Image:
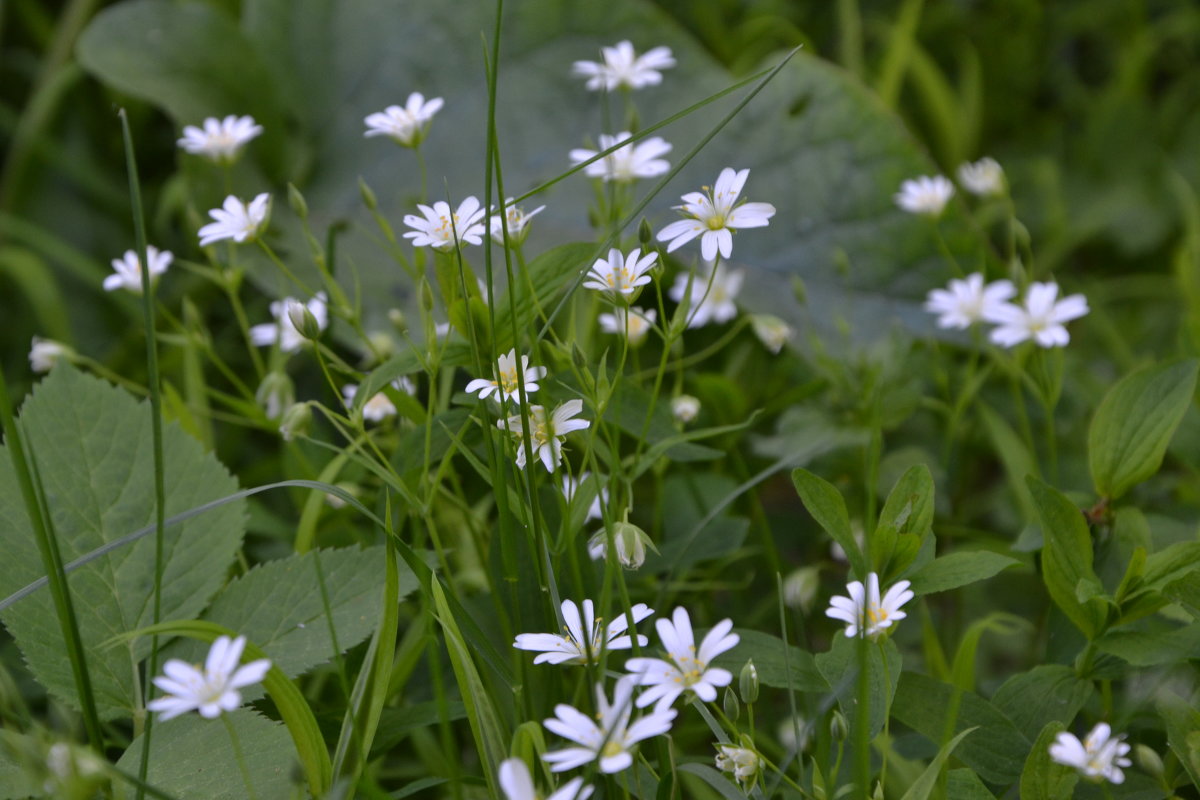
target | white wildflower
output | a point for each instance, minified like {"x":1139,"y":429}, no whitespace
{"x":1099,"y":757}
{"x":620,"y":274}
{"x":639,"y":323}
{"x":611,"y":741}
{"x":508,"y":379}
{"x":220,"y":139}
{"x":584,"y":637}
{"x":237,"y":221}
{"x":684,"y":668}
{"x":127,"y":270}
{"x":925,"y":195}
{"x":714,"y":216}
{"x":711,"y":295}
{"x":984,"y":177}
{"x":546,"y":433}
{"x":968,"y":301}
{"x":438,"y":226}
{"x":211,"y":690}
{"x":1041,"y":317}
{"x":864,"y":612}
{"x":635,"y":160}
{"x":406,"y":125}
{"x":624,"y":68}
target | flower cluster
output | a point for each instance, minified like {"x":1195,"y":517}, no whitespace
{"x":1040,"y":317}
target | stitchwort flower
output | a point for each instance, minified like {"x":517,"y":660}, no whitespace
{"x":968,"y":301}
{"x":506,"y":386}
{"x":742,"y":762}
{"x":864,"y":612}
{"x":221,"y":140}
{"x":924,"y":195}
{"x":517,"y":784}
{"x":379,"y":407}
{"x":571,"y":485}
{"x":634,"y":160}
{"x":406,"y":125}
{"x":517,"y":224}
{"x":236,"y":220}
{"x":619,"y":274}
{"x":211,"y":690}
{"x":584,"y":637}
{"x":45,"y":353}
{"x":984,"y":177}
{"x":546,"y":433}
{"x":714,"y":215}
{"x":624,"y":68}
{"x":438,"y":226}
{"x":685,"y":668}
{"x":283,"y":329}
{"x":127,"y":270}
{"x":1040,"y":318}
{"x":1099,"y":757}
{"x":611,"y":741}
{"x":640,"y":321}
{"x":711,"y":295}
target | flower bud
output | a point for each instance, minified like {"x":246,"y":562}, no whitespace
{"x":839,"y":729}
{"x":297,"y":202}
{"x":1148,"y":760}
{"x":645,"y":232}
{"x":630,"y":541}
{"x":771,"y":331}
{"x":275,"y":394}
{"x":685,"y":408}
{"x":303,"y":320}
{"x":799,"y":290}
{"x":800,"y":588}
{"x":297,"y":421}
{"x":733,"y":709}
{"x":368,"y":196}
{"x":748,"y":682}
{"x":45,"y":353}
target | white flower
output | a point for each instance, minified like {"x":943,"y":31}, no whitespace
{"x":212,"y":690}
{"x":684,"y":668}
{"x":406,"y":125}
{"x":1099,"y":756}
{"x":379,"y":407}
{"x":584,"y":638}
{"x":640,"y":323}
{"x":711,"y":296}
{"x":570,"y":485}
{"x":634,"y":160}
{"x":771,"y":331}
{"x":517,"y":784}
{"x":619,"y":274}
{"x":741,"y":761}
{"x":237,"y":221}
{"x":984,"y":177}
{"x":283,"y":329}
{"x":864,"y":611}
{"x":45,"y":353}
{"x":611,"y":740}
{"x":968,"y":301}
{"x":714,"y":215}
{"x":685,"y":408}
{"x":629,"y":540}
{"x":800,"y":587}
{"x":438,"y":227}
{"x":220,"y":139}
{"x":924,"y":195}
{"x":127,"y":270}
{"x":1041,"y":318}
{"x":506,"y":385}
{"x":518,"y":223}
{"x":623,"y":67}
{"x":545,"y":434}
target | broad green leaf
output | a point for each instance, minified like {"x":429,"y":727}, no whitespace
{"x":97,"y":467}
{"x":923,"y":785}
{"x":826,"y":505}
{"x":396,"y":723}
{"x":1147,"y":649}
{"x":1067,"y":556}
{"x":1161,"y":569}
{"x":958,"y":569}
{"x":1135,"y":423}
{"x":839,"y":667}
{"x":1046,"y":693}
{"x":962,"y":673}
{"x":685,"y":542}
{"x":1181,"y":723}
{"x":1043,"y":778}
{"x":768,"y":654}
{"x":723,"y":785}
{"x":996,"y":751}
{"x":904,"y":522}
{"x":803,"y":433}
{"x":963,"y":784}
{"x":22,"y":759}
{"x":193,"y":757}
{"x":1016,"y":458}
{"x":1186,"y":592}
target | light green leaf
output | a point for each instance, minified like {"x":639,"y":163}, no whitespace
{"x":768,"y":654}
{"x":925,"y":784}
{"x":1147,"y":649}
{"x":904,"y":523}
{"x":1046,"y":693}
{"x":958,"y":569}
{"x":1043,"y":778}
{"x":839,"y":667}
{"x":1135,"y":423}
{"x":1186,"y":592}
{"x":1182,"y":721}
{"x":826,"y":505}
{"x":722,"y":784}
{"x":1067,"y":556}
{"x":97,"y":467}
{"x":193,"y":757}
{"x":1161,"y":569}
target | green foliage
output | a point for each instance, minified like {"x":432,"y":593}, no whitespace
{"x":840,"y":669}
{"x":925,"y":784}
{"x":796,"y":670}
{"x":1043,"y":778}
{"x":824,"y":502}
{"x":96,"y":466}
{"x":1047,"y":693}
{"x":959,"y":569}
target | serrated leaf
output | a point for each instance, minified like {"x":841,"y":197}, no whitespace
{"x":958,"y":569}
{"x":768,"y":654}
{"x":827,"y":506}
{"x":1067,"y":556}
{"x":193,"y":758}
{"x":97,"y":466}
{"x":1134,"y":424}
{"x":1046,"y":693}
{"x":1043,"y":778}
{"x":839,"y":667}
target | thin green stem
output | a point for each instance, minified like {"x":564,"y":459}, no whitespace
{"x":240,"y":757}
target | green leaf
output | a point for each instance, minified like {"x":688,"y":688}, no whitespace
{"x":1161,"y":569}
{"x":193,"y":757}
{"x":963,"y":784}
{"x":839,"y":667}
{"x":1043,"y":778}
{"x":925,"y":783}
{"x":996,"y":751}
{"x":1016,"y":458}
{"x":1181,"y":722}
{"x":1046,"y":693}
{"x":768,"y":654}
{"x":826,"y":505}
{"x":1147,"y":649}
{"x":1135,"y":423}
{"x":958,"y":569}
{"x":904,"y":522}
{"x":691,"y":497}
{"x":1186,"y":592}
{"x":725,"y":787}
{"x":1067,"y":557}
{"x":95,"y":462}
{"x":396,"y":723}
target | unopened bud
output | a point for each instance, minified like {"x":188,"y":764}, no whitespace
{"x":368,"y":196}
{"x":748,"y":682}
{"x":275,"y":394}
{"x":733,"y":709}
{"x":800,"y":588}
{"x":297,"y":421}
{"x":645,"y":232}
{"x":799,"y":290}
{"x":1148,"y":760}
{"x":396,"y":317}
{"x":685,"y":408}
{"x":297,"y":202}
{"x":578,"y":356}
{"x":45,"y":353}
{"x":771,"y":331}
{"x":303,"y":320}
{"x":630,"y":540}
{"x":839,"y":729}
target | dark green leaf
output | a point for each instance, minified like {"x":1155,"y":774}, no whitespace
{"x":1043,"y":778}
{"x":1067,"y":556}
{"x":958,"y":569}
{"x":1047,"y":693}
{"x":840,"y":669}
{"x":826,"y":505}
{"x":768,"y":654}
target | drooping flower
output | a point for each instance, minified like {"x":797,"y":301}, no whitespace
{"x":968,"y":301}
{"x":584,"y":638}
{"x":438,"y":226}
{"x":742,"y":762}
{"x":517,"y":784}
{"x":800,"y":587}
{"x":684,"y":668}
{"x":685,"y":408}
{"x":639,"y":323}
{"x":283,"y":329}
{"x":507,"y":386}
{"x":220,"y":139}
{"x":924,"y":195}
{"x":864,"y":612}
{"x":629,"y":541}
{"x":571,"y":485}
{"x":517,"y":224}
{"x":546,"y":434}
{"x":634,"y":160}
{"x":45,"y":353}
{"x":380,"y":406}
{"x":611,"y":741}
{"x":407,"y":125}
{"x":711,"y":295}
{"x":127,"y":270}
{"x":984,"y":177}
{"x":211,"y":690}
{"x":1041,"y":317}
{"x":714,"y":216}
{"x":237,"y":221}
{"x":771,"y":331}
{"x":624,"y":68}
{"x":1099,"y":757}
{"x":620,"y":274}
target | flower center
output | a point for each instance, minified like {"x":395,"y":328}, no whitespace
{"x":612,"y":748}
{"x":508,"y":381}
{"x":877,"y":615}
{"x":716,"y":222}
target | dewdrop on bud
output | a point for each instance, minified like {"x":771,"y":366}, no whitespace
{"x":368,"y":196}
{"x":748,"y":682}
{"x":733,"y":709}
{"x":297,"y":202}
{"x":303,"y":320}
{"x":839,"y":729}
{"x":645,"y":232}
{"x":630,"y":541}
{"x":275,"y":394}
{"x":771,"y":331}
{"x":685,"y":408}
{"x":800,"y":588}
{"x":1149,"y":761}
{"x":297,"y":421}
